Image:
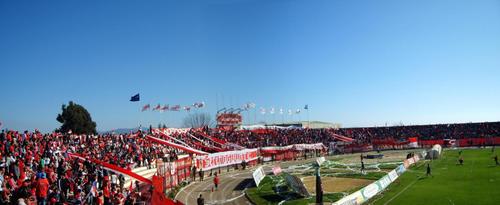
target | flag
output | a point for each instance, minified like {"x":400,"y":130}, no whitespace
{"x":158,"y":107}
{"x":251,"y":105}
{"x":145,"y":107}
{"x":135,"y":98}
{"x":271,"y":111}
{"x":297,"y":111}
{"x":289,"y":111}
{"x":281,"y":111}
{"x":306,"y":107}
{"x":262,"y":110}
{"x":186,"y":108}
{"x":199,"y":105}
{"x":175,"y":108}
{"x":164,"y":108}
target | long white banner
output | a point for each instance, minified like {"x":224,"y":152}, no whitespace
{"x":222,"y":159}
{"x":317,"y":146}
{"x":366,"y":193}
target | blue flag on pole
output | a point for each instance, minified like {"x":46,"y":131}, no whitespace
{"x":135,"y":98}
{"x":306,"y":107}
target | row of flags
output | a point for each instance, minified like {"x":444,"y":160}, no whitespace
{"x":160,"y":108}
{"x":164,"y":108}
{"x":281,"y":111}
{"x":246,"y":106}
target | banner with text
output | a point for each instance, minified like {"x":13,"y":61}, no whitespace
{"x":222,"y":159}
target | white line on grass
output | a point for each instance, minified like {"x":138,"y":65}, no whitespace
{"x":409,"y":185}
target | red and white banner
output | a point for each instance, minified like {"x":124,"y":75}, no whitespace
{"x":317,"y":146}
{"x":174,"y":145}
{"x":171,"y":131}
{"x":174,"y":172}
{"x":342,"y":138}
{"x":111,"y":167}
{"x":413,"y":142}
{"x":222,"y":159}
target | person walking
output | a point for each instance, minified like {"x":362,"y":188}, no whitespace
{"x":200,"y":200}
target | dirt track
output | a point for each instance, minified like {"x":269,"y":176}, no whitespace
{"x":234,"y":182}
{"x":231,"y":188}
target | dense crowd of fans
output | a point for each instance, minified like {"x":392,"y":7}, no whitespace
{"x":36,"y":167}
{"x":281,"y":137}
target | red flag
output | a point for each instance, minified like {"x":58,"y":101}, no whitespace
{"x":164,"y":108}
{"x":158,"y":107}
{"x":145,"y":107}
{"x":175,"y":108}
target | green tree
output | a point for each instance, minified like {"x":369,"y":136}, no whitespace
{"x":76,"y":118}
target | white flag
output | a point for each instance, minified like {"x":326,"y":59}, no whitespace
{"x":297,"y":111}
{"x":262,"y":110}
{"x":281,"y":111}
{"x":290,"y":111}
{"x":271,"y":111}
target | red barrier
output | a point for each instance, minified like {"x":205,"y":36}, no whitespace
{"x":158,"y":196}
{"x":430,"y":142}
{"x":479,"y":141}
{"x":174,"y":172}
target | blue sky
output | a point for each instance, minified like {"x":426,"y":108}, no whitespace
{"x":358,"y":63}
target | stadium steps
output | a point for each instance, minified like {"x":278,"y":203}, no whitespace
{"x":143,"y":171}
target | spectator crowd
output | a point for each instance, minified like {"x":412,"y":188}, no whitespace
{"x":35,"y":168}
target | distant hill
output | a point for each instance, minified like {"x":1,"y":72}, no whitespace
{"x":120,"y":131}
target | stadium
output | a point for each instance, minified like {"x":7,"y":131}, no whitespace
{"x":373,"y":165}
{"x":249,"y":102}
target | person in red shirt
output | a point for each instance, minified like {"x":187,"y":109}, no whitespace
{"x":42,"y":190}
{"x":216,"y":181}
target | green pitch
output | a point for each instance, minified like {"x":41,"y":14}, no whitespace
{"x":476,"y":182}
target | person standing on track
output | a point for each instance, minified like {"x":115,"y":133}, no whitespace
{"x":193,"y":170}
{"x":216,"y":181}
{"x":200,"y":200}
{"x":428,"y":170}
{"x":461,"y":160}
{"x":201,"y":174}
{"x":496,"y":160}
{"x":362,"y":167}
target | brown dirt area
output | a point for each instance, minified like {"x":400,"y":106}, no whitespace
{"x":334,"y":184}
{"x":389,"y":156}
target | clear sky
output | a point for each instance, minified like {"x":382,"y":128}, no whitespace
{"x":358,"y":63}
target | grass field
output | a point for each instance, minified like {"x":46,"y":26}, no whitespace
{"x":341,"y":176}
{"x":476,"y":182}
{"x":267,"y":193}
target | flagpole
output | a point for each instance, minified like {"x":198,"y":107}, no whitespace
{"x":308,"y":122}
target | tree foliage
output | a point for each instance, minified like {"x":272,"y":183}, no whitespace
{"x":197,"y":120}
{"x":76,"y":118}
